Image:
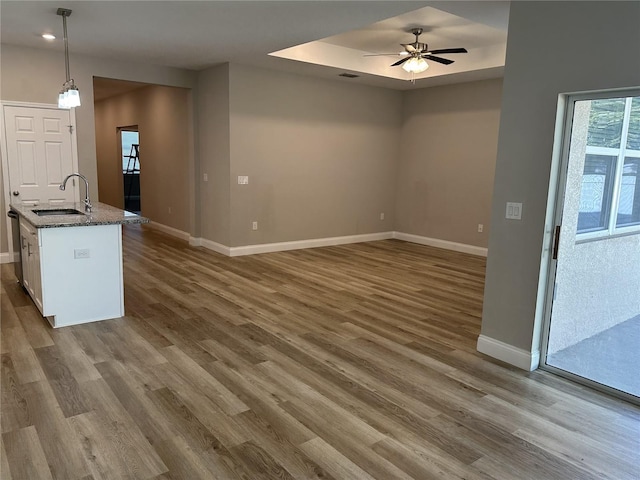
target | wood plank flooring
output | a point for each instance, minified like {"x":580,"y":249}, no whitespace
{"x":348,"y":362}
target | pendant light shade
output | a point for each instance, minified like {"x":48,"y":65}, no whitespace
{"x":69,"y":96}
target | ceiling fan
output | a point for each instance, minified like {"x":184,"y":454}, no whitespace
{"x":415,"y":53}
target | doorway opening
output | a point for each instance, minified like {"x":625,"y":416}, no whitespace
{"x":129,"y":139}
{"x":592,"y":329}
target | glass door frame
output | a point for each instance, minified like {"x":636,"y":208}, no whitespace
{"x":557,"y":190}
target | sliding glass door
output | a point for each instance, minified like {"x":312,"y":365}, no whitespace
{"x":593,"y":316}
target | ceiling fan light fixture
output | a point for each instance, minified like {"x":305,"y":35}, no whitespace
{"x":415,"y":65}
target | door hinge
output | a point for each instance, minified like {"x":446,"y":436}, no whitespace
{"x":70,"y":128}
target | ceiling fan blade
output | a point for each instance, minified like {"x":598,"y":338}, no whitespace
{"x":382,"y":54}
{"x":444,"y":61}
{"x":448,"y":50}
{"x":400,"y":62}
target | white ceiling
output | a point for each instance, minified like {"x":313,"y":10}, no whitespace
{"x":199,"y":34}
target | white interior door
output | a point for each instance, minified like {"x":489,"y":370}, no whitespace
{"x":39,"y":154}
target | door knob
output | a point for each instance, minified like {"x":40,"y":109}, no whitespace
{"x":16,"y":193}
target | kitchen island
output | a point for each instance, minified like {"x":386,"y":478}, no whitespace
{"x":72,"y":260}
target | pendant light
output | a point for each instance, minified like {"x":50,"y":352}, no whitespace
{"x":69,"y":96}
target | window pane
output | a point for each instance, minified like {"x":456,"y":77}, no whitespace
{"x":605,"y":122}
{"x":629,"y":206}
{"x":596,"y":192}
{"x":633,"y":140}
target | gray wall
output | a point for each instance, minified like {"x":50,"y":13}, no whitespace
{"x":214,"y":155}
{"x":553,"y":48}
{"x":447,"y":161}
{"x":163,"y":119}
{"x":320,"y":156}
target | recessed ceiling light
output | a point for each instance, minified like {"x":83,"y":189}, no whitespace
{"x":48,"y":36}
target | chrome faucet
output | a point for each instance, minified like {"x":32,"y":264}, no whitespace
{"x":87,"y":202}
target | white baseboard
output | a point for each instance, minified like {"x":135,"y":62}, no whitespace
{"x":174,"y":232}
{"x":210,"y":245}
{"x":311,"y":243}
{"x":446,"y":244}
{"x":331,"y":241}
{"x":6,"y":257}
{"x":517,"y":357}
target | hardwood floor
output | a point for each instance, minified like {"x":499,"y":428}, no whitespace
{"x":348,"y":362}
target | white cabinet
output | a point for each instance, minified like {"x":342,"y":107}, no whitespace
{"x":74,"y":274}
{"x":31,"y":271}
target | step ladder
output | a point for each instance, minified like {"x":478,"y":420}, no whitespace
{"x":133,"y":167}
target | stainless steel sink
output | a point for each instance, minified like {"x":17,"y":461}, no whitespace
{"x":57,"y":211}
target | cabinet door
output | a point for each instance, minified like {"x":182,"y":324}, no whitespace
{"x":27,"y":265}
{"x":32,"y":280}
{"x":36,"y":278}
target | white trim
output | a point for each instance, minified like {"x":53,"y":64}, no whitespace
{"x":7,"y":257}
{"x":331,"y":241}
{"x":174,"y":232}
{"x":210,"y":245}
{"x":438,"y":243}
{"x":311,"y":243}
{"x":508,"y":353}
{"x":52,"y":106}
{"x":5,"y":179}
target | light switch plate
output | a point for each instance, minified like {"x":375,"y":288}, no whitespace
{"x":514,"y":211}
{"x":243,"y":180}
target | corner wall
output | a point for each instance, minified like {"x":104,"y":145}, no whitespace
{"x":585,"y":46}
{"x":320,"y":155}
{"x":212,"y":109}
{"x":447,"y":161}
{"x":163,"y":120}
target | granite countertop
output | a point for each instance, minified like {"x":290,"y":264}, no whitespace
{"x":101,"y":214}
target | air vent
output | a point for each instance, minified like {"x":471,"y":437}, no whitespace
{"x":348,"y":75}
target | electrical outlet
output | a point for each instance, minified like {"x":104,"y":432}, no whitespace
{"x":205,"y":177}
{"x":382,"y":216}
{"x":169,"y":210}
{"x":254,"y":226}
{"x":480,"y":228}
{"x":81,"y":253}
{"x":243,"y":180}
